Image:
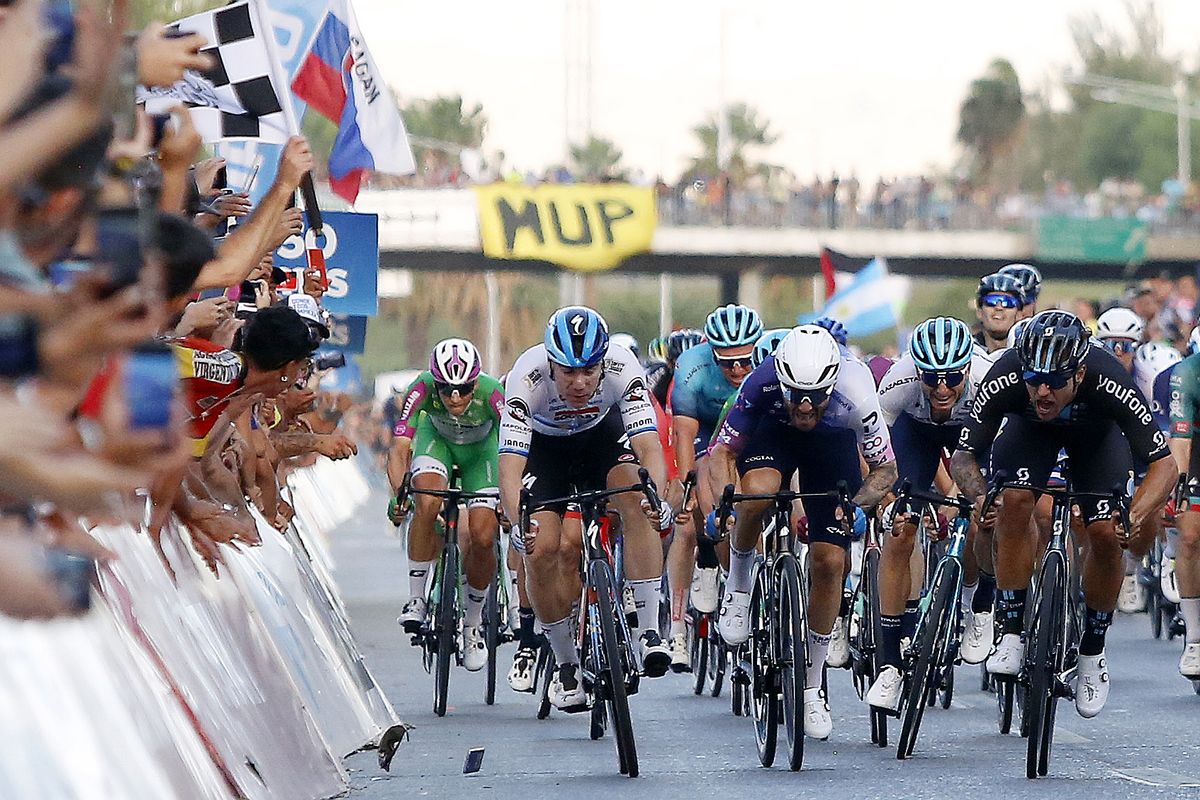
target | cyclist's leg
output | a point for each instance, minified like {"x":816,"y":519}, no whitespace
{"x":477,"y":464}
{"x":430,"y":470}
{"x":1187,"y":578}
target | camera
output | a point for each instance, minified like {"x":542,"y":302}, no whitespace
{"x":151,"y":380}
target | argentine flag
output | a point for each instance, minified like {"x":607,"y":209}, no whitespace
{"x":872,"y":302}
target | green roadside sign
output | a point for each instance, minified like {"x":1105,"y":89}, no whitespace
{"x":1094,"y":241}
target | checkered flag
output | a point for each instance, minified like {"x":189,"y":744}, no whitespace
{"x":238,"y":98}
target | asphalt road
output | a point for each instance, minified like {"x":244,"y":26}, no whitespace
{"x":1146,"y":743}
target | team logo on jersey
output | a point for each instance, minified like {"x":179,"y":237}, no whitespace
{"x":533,"y":379}
{"x":613,"y":366}
{"x":518,"y":410}
{"x":625,"y":458}
{"x":636,"y":391}
{"x":568,"y":413}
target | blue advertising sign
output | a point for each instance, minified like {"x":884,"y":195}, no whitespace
{"x":351,"y":246}
{"x":346,"y":333}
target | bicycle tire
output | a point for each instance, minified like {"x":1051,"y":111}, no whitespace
{"x":793,"y":668}
{"x":764,"y":701}
{"x":931,"y":638}
{"x":447,"y":627}
{"x":614,"y":667}
{"x":1005,"y":694}
{"x":598,"y":722}
{"x":491,"y":635}
{"x":1043,"y":666}
{"x":718,"y":659}
{"x":873,"y":633}
{"x":738,"y":679}
{"x":945,"y":690}
{"x":544,"y":674}
{"x":699,"y":650}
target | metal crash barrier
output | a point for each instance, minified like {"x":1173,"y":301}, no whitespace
{"x":182,"y":684}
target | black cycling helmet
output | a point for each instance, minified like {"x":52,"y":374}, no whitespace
{"x":1053,"y":342}
{"x":680,"y":340}
{"x":1028,"y":276}
{"x":999,"y":283}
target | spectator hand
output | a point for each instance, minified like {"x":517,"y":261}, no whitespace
{"x":162,"y":60}
{"x":206,"y":174}
{"x":205,"y":315}
{"x":180,"y":143}
{"x":336,"y":446}
{"x":291,"y":223}
{"x":232,"y":205}
{"x":297,"y":161}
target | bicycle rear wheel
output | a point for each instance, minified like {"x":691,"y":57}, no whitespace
{"x":1044,"y":664}
{"x":613,"y":678}
{"x":447,"y":627}
{"x":872,"y":639}
{"x":931,"y":638}
{"x":764,"y":700}
{"x":491,"y":635}
{"x":793,"y":668}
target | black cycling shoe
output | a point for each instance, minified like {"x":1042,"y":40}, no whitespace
{"x":656,"y":656}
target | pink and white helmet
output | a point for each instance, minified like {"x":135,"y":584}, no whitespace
{"x":454,"y":361}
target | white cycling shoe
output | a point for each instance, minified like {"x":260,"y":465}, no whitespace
{"x":977,"y":637}
{"x":1132,"y":598}
{"x":734,"y":623}
{"x":1189,"y":662}
{"x":412,"y":616}
{"x":566,"y":691}
{"x":1009,"y":656}
{"x":818,"y":722}
{"x":681,"y":654}
{"x":839,"y":645}
{"x":886,"y":691}
{"x":1167,"y":580}
{"x":1091,"y":685}
{"x":705,"y":589}
{"x":475,"y":652}
{"x":520,"y":674}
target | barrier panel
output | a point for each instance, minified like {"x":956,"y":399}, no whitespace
{"x":180,"y":683}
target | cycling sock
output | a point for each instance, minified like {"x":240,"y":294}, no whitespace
{"x":418,"y":575}
{"x":706,"y":555}
{"x":740,"y":564}
{"x":1190,"y":608}
{"x":525,"y":632}
{"x":1095,"y":627}
{"x":1010,"y":607}
{"x":968,"y":594}
{"x":646,"y":597}
{"x":818,"y":649}
{"x":1131,"y":564}
{"x":908,"y":623}
{"x":985,"y":595}
{"x":1172,"y":541}
{"x":474,"y":609}
{"x":678,"y":626}
{"x":561,"y":641}
{"x":890,"y":629}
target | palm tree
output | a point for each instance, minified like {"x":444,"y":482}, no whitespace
{"x":991,"y":117}
{"x":747,"y":129}
{"x":443,"y":127}
{"x":596,"y":159}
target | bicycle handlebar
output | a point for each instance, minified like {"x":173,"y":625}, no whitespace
{"x":729,"y":497}
{"x":1117,"y":495}
{"x":645,"y":486}
{"x":963,"y":505}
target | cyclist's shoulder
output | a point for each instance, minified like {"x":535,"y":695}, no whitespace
{"x":902,"y":372}
{"x":693,"y":362}
{"x":1187,"y":371}
{"x":855,"y":378}
{"x":489,"y":384}
{"x":530,"y":369}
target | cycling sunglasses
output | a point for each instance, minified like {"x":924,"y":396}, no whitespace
{"x":448,"y":389}
{"x":951,"y":379}
{"x":734,"y":361}
{"x":814,"y":397}
{"x":1000,"y":300}
{"x":1119,"y":347}
{"x":1055,"y":380}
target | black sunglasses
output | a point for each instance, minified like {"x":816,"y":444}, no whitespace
{"x":1055,"y":380}
{"x":814,"y":397}
{"x":448,"y":389}
{"x":951,"y":379}
{"x":734,"y":361}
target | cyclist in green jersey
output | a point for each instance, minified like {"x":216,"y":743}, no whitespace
{"x":1185,"y":417}
{"x":450,"y":417}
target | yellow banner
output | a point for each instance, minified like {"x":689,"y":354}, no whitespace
{"x":578,"y":226}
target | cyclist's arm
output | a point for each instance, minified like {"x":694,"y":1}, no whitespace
{"x":874,"y":439}
{"x":1182,"y":409}
{"x":512,"y":468}
{"x":1152,"y":495}
{"x":1002,"y":391}
{"x":399,"y":457}
{"x":648,"y":450}
{"x":415,"y":399}
{"x":685,"y":430}
{"x":722,"y":469}
{"x":896,"y":389}
{"x":516,"y":433}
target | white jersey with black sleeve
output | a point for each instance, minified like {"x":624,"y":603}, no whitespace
{"x":900,"y":391}
{"x":532,"y":403}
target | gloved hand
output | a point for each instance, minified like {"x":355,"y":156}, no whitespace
{"x":710,"y":532}
{"x":395,"y":513}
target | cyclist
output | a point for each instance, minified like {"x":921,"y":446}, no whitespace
{"x":811,"y":410}
{"x":578,"y":417}
{"x":1052,"y":391}
{"x":1185,"y":418}
{"x":449,"y":418}
{"x":1030,"y":280}
{"x":1120,"y":331}
{"x":705,"y":377}
{"x":926,"y":397}
{"x":999,"y":302}
{"x":627,"y":341}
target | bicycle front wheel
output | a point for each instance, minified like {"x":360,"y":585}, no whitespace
{"x":699,"y":649}
{"x":764,"y":695}
{"x":447,"y":627}
{"x":491,"y":635}
{"x":872,"y":640}
{"x":793,"y":667}
{"x":614,"y":667}
{"x":930,"y":652}
{"x":1044,"y":664}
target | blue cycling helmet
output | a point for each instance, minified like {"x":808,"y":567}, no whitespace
{"x":576,"y":336}
{"x":1029,"y":278}
{"x":733,"y":326}
{"x":941,"y":344}
{"x":836,"y":329}
{"x":766,"y":344}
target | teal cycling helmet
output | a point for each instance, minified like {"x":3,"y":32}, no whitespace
{"x":941,"y":344}
{"x":766,"y":344}
{"x":733,"y":326}
{"x":576,"y":336}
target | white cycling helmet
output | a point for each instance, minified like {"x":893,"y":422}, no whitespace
{"x":454,"y":362}
{"x":625,"y":340}
{"x":1194,"y":341}
{"x":808,"y":359}
{"x":1120,"y":323}
{"x":1153,"y":357}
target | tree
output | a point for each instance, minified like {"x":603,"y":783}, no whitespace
{"x":990,"y":119}
{"x":441,"y":127}
{"x":747,"y":129}
{"x":596,"y":160}
{"x":145,"y":11}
